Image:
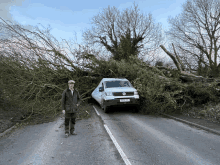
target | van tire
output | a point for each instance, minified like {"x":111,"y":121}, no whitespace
{"x":105,"y":108}
{"x":135,"y":109}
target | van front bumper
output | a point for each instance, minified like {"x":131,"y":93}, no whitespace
{"x":117,"y":102}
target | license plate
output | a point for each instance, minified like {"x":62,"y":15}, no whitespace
{"x":124,"y":100}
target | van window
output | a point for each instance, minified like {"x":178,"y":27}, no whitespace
{"x":115,"y":84}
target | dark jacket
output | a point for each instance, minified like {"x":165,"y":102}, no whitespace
{"x":69,"y":101}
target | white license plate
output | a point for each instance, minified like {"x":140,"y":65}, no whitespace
{"x":124,"y":100}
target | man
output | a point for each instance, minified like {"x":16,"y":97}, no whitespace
{"x":70,"y":102}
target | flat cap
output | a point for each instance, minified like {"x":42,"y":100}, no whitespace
{"x":71,"y":81}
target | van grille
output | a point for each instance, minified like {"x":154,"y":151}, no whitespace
{"x":121,"y":93}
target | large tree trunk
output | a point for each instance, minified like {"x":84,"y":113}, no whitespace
{"x":175,"y":58}
{"x":184,"y":76}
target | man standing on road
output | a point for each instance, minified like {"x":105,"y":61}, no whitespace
{"x":70,"y":102}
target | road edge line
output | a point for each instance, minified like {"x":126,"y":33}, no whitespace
{"x":8,"y":130}
{"x":96,"y":111}
{"x":124,"y":157}
{"x":194,"y":124}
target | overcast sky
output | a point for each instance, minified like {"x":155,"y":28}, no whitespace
{"x":70,"y":17}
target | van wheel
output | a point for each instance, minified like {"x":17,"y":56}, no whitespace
{"x":105,"y":108}
{"x":135,"y":109}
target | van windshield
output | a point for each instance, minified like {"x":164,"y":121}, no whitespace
{"x":113,"y":84}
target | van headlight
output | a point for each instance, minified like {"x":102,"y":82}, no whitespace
{"x":108,"y":93}
{"x":135,"y":93}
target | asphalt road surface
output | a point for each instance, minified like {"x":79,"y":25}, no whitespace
{"x":45,"y":144}
{"x":131,"y":139}
{"x":157,"y":140}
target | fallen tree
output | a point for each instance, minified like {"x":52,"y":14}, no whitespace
{"x":183,"y":75}
{"x":35,"y":69}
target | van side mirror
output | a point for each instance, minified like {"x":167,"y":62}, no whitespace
{"x":101,"y":89}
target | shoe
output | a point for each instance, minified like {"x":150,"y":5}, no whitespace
{"x":73,"y":133}
{"x":66,"y":135}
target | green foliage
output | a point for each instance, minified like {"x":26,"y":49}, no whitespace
{"x":145,"y":79}
{"x":200,"y":93}
{"x":175,"y":73}
{"x":203,"y":71}
{"x":37,"y":90}
{"x":159,"y":63}
{"x":153,"y":89}
{"x":158,"y":92}
{"x":126,"y":48}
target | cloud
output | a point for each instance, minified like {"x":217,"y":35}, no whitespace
{"x":5,"y":7}
{"x":5,"y":13}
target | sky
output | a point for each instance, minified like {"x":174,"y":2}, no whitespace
{"x":69,"y":18}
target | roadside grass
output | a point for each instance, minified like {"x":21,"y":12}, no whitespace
{"x":209,"y":111}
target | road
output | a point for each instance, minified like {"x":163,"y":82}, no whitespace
{"x":143,"y":139}
{"x":155,"y":140}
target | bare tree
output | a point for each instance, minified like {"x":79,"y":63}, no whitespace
{"x":196,"y":31}
{"x":112,"y":27}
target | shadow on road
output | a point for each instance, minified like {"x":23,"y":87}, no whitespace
{"x":115,"y":109}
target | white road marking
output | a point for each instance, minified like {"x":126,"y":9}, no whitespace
{"x":96,"y":111}
{"x":124,"y":157}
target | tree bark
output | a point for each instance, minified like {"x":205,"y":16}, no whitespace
{"x":184,"y":76}
{"x":178,"y":59}
{"x":172,"y":56}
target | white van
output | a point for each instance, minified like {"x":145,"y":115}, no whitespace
{"x":114,"y":92}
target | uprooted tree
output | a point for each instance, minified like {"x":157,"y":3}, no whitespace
{"x":196,"y":34}
{"x":184,"y":76}
{"x":35,"y":69}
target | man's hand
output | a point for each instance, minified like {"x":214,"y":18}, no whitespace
{"x":77,"y":108}
{"x":63,"y":111}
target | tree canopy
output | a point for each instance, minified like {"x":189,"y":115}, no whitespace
{"x":196,"y":32}
{"x":117,"y":30}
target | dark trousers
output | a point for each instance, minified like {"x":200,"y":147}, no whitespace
{"x":72,"y":118}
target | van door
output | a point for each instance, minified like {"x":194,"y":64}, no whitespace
{"x":102,"y":93}
{"x":99,"y":94}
